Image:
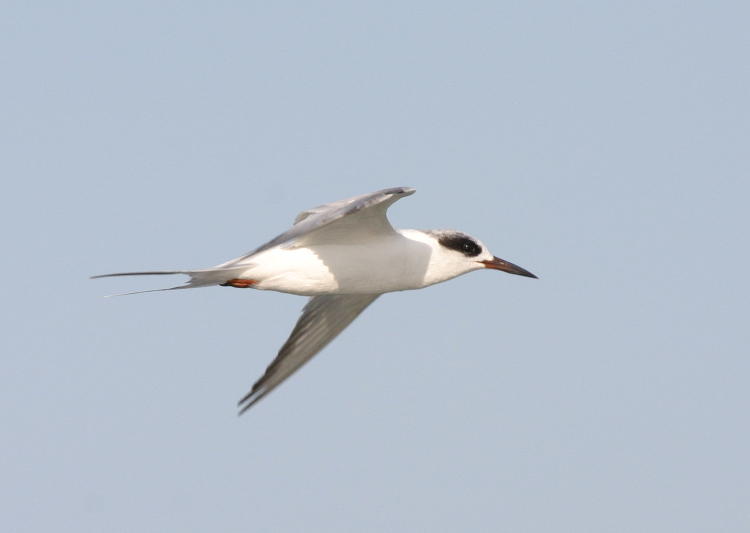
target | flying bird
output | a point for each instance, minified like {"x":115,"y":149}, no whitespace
{"x":343,"y":255}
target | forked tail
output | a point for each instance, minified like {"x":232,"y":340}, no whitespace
{"x":198,"y":278}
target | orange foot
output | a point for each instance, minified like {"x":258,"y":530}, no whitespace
{"x":239,"y":283}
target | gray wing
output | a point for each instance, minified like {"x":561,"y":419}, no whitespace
{"x":314,"y":223}
{"x":323,"y":318}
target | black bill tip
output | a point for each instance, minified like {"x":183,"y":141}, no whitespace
{"x":506,"y":266}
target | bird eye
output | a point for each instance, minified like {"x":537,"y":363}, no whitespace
{"x":470,"y":248}
{"x":461,"y":243}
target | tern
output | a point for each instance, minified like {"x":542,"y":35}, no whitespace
{"x":343,"y":255}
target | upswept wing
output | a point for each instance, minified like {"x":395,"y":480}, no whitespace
{"x":349,"y":219}
{"x":323,"y":318}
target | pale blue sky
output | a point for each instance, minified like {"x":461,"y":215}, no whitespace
{"x":602,"y":145}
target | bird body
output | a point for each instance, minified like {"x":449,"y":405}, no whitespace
{"x":402,"y":260}
{"x":343,"y":255}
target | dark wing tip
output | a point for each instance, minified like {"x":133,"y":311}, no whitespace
{"x":404,"y":190}
{"x":401,"y":191}
{"x":244,"y":408}
{"x":250,"y":399}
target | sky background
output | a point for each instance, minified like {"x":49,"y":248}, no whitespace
{"x":601,"y":145}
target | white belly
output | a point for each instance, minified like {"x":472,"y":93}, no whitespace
{"x":376,"y":267}
{"x":296,"y":271}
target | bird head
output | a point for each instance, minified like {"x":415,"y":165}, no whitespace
{"x":457,"y":253}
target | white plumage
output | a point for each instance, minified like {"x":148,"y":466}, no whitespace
{"x":344,"y":254}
